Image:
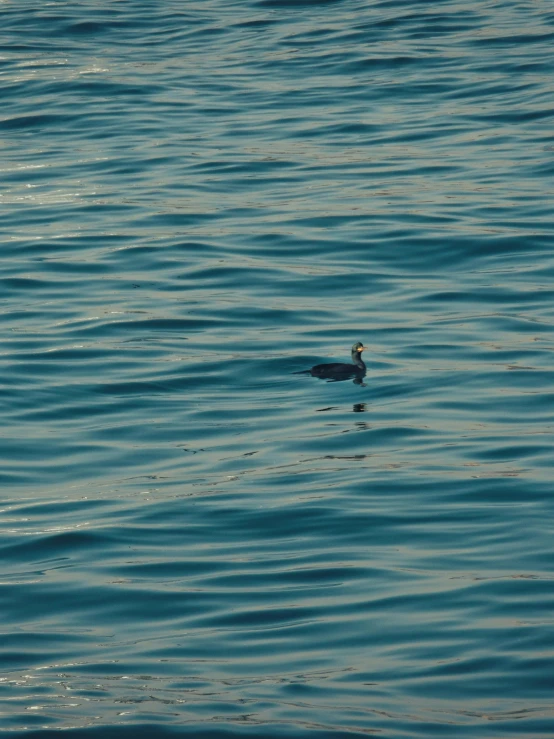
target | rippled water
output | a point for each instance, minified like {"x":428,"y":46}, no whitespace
{"x":198,"y":201}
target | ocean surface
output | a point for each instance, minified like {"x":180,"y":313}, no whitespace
{"x":199,"y":200}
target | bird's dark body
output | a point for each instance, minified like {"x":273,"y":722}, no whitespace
{"x":337,"y":371}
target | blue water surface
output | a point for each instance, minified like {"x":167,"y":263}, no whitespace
{"x":199,"y":200}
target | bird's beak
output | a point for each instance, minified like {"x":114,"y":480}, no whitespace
{"x":362,"y":348}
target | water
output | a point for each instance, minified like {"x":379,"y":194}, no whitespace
{"x":199,"y":200}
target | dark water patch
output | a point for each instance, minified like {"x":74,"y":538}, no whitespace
{"x":164,"y":571}
{"x":518,"y":40}
{"x":22,"y":284}
{"x":145,"y":388}
{"x":58,"y":544}
{"x":39,"y":121}
{"x":295,"y":3}
{"x":263,"y":166}
{"x":141,"y":327}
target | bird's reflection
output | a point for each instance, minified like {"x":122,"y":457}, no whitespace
{"x":359,"y":407}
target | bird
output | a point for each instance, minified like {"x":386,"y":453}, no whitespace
{"x":339,"y":371}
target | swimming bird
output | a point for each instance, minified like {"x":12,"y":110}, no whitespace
{"x":338,"y":371}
